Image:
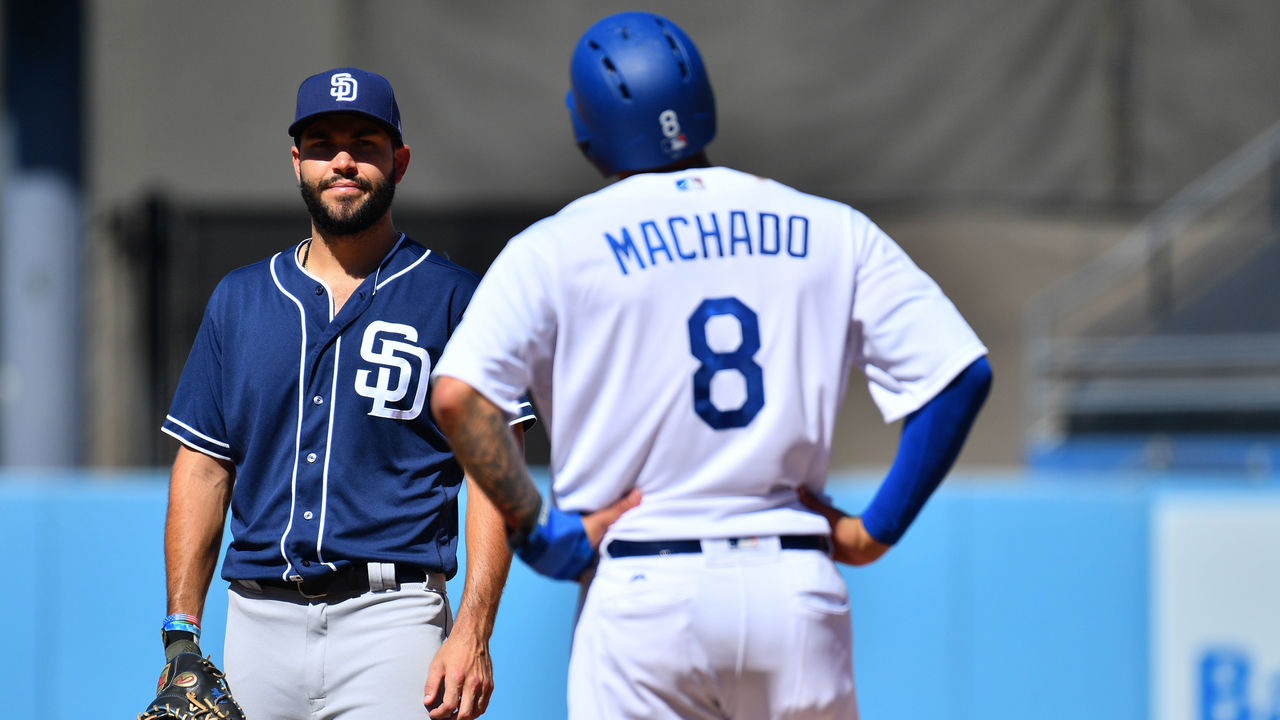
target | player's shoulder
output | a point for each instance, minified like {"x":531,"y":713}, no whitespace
{"x":541,"y":238}
{"x":255,"y":274}
{"x":794,"y":194}
{"x":434,"y":264}
{"x":439,"y":263}
{"x":805,"y":202}
{"x":247,"y":284}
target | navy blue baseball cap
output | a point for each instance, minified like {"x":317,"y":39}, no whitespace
{"x":347,"y":89}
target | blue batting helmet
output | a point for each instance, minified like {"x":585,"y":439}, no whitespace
{"x":640,"y":96}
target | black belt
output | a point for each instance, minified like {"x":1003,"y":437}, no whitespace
{"x":639,"y":548}
{"x":350,"y":580}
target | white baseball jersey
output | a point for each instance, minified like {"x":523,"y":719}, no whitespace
{"x":690,"y":334}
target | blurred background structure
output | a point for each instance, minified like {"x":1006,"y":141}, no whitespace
{"x":1005,"y":145}
{"x":1095,"y":183}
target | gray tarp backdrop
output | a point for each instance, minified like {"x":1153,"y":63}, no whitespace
{"x":982,"y":100}
{"x":1002,"y":142}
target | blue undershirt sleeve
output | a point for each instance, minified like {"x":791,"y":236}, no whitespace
{"x":931,"y":439}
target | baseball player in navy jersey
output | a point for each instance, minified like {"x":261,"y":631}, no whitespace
{"x":735,"y":308}
{"x":304,"y":408}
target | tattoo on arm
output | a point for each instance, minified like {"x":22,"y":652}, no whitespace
{"x":487,"y":450}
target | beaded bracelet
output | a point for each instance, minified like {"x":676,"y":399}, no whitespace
{"x":183,"y":623}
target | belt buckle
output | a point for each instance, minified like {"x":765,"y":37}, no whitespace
{"x":300,"y":584}
{"x":302,"y":591}
{"x":744,"y":543}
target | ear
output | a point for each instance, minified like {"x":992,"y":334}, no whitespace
{"x":297,"y":164}
{"x":402,"y":162}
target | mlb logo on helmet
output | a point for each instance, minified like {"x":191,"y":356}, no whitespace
{"x":350,"y":90}
{"x":673,"y":139}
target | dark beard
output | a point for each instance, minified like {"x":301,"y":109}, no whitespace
{"x":355,"y":220}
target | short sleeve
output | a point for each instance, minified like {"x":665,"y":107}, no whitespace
{"x":195,"y":417}
{"x":910,"y":339}
{"x":508,"y":329}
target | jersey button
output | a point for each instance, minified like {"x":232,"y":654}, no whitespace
{"x":317,"y":400}
{"x":311,"y":457}
{"x":305,"y":563}
{"x":319,"y":290}
{"x":306,"y":515}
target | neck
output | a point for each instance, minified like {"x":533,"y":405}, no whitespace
{"x":356,"y":256}
{"x":697,"y":160}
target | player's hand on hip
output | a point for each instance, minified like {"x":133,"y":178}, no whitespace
{"x":852,"y":543}
{"x":598,"y":522}
{"x":562,"y":545}
{"x":460,"y":679}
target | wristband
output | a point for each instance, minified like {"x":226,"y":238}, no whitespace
{"x":182,"y":622}
{"x":556,"y":546}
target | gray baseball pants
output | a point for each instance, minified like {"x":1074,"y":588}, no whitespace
{"x":364,"y":657}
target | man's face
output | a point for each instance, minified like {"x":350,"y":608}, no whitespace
{"x":347,"y":172}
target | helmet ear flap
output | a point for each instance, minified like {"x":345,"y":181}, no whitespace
{"x":581,"y":133}
{"x":583,"y":136}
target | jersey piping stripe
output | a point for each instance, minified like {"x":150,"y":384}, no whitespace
{"x":195,"y":432}
{"x":328,"y":453}
{"x":297,"y":440}
{"x":324,"y":474}
{"x":378,"y":284}
{"x":192,"y":445}
{"x":378,"y":273}
{"x":523,"y":414}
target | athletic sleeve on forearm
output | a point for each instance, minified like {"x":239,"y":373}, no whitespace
{"x":931,"y":439}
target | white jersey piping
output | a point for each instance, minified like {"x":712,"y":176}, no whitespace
{"x":297,"y":441}
{"x":193,"y":431}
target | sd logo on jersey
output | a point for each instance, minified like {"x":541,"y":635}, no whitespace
{"x":400,"y":361}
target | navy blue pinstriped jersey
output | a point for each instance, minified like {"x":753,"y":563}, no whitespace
{"x":327,"y":420}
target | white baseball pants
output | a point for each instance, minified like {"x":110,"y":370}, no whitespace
{"x":749,"y":633}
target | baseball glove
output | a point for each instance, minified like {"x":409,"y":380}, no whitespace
{"x":192,"y":688}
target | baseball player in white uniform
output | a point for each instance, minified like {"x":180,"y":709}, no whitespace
{"x":734,"y":308}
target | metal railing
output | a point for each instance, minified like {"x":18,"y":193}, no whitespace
{"x":1101,"y":343}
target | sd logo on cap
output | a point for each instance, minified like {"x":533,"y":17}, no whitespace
{"x":347,"y":89}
